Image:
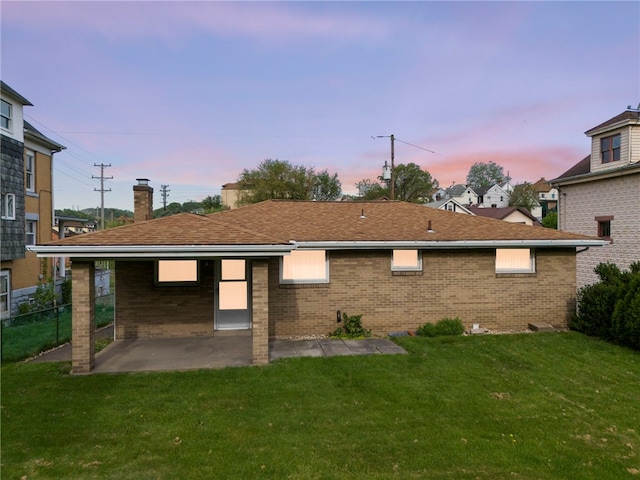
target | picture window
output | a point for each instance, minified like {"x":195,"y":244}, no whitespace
{"x":515,"y":260}
{"x":305,"y":266}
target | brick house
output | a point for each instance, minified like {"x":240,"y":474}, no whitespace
{"x":26,"y":203}
{"x":285,"y":268}
{"x":600,"y":195}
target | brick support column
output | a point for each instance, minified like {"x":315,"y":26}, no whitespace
{"x":260,"y":311}
{"x":83,"y":317}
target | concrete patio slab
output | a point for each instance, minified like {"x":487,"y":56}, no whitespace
{"x":227,"y":350}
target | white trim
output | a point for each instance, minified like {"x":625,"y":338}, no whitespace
{"x":160,"y":251}
{"x":7,"y":312}
{"x":452,"y":244}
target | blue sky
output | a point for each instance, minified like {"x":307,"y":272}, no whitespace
{"x":189,"y":94}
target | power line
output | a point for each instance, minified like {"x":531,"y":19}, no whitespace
{"x":416,"y":146}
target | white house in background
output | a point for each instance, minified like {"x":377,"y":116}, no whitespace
{"x":463,"y":194}
{"x":450,"y":205}
{"x":547,"y":196}
{"x":493,"y":197}
{"x":600,"y":195}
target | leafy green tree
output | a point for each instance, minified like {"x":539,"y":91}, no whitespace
{"x":370,"y":190}
{"x":524,"y":195}
{"x":551,"y":220}
{"x":412,"y":184}
{"x":278,"y":179}
{"x":326,"y":187}
{"x":484,"y":175}
{"x":212,"y":203}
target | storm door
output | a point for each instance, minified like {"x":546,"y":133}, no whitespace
{"x":232,"y":300}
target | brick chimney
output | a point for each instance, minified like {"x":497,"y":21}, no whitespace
{"x":142,"y":201}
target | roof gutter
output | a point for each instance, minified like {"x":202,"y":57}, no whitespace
{"x":160,"y":251}
{"x":453,"y":244}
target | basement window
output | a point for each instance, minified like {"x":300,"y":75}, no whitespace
{"x":406,"y":261}
{"x":515,"y":260}
{"x":177,"y":272}
{"x":305,"y":266}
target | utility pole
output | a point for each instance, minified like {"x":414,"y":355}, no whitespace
{"x":102,"y":190}
{"x":392,"y":187}
{"x":164,"y":191}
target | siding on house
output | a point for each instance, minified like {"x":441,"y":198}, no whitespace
{"x":583,"y":202}
{"x":12,"y":172}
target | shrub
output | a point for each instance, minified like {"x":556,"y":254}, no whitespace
{"x":427,"y":330}
{"x":446,"y":326}
{"x":595,"y":307}
{"x":626,"y":315}
{"x":610,"y":309}
{"x":352,"y":328}
{"x":450,"y":326}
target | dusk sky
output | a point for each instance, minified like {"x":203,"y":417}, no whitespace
{"x":188,"y":94}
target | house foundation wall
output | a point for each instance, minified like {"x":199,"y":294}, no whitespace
{"x":145,"y":310}
{"x":452,"y":284}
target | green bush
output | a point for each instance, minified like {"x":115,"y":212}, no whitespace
{"x":610,"y":309}
{"x":450,"y":326}
{"x":427,"y":330}
{"x":445,"y":327}
{"x":626,"y":315}
{"x":595,"y":306}
{"x":352,"y":328}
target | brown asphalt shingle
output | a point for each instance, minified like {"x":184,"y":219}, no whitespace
{"x":278,"y":222}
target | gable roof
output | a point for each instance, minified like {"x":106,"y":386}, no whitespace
{"x":500,"y":213}
{"x":275,"y":227}
{"x":10,"y":92}
{"x":438,"y":204}
{"x":541,"y":185}
{"x":36,"y":135}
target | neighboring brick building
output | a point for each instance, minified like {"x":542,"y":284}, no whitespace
{"x":284,"y":268}
{"x":600,"y":195}
{"x":26,"y":201}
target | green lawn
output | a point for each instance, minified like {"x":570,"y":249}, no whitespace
{"x":529,"y":406}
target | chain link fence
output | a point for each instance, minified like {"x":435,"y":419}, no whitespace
{"x":24,"y":336}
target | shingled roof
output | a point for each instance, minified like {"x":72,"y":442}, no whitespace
{"x":277,"y":226}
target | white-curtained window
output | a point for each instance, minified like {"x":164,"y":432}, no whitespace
{"x":515,"y":260}
{"x":305,"y":266}
{"x":177,"y":271}
{"x":406,"y":260}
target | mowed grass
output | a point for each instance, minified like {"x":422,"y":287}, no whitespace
{"x":529,"y":406}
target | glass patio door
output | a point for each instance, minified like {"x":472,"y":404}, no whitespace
{"x":232,"y":300}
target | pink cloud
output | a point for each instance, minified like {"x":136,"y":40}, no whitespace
{"x":172,"y":20}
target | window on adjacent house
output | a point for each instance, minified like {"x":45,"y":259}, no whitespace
{"x":515,"y":260}
{"x":5,"y":115}
{"x":610,"y":148}
{"x":8,"y":206}
{"x":31,"y":232}
{"x":305,"y":266}
{"x":30,"y":169}
{"x":177,"y":271}
{"x":406,"y":260}
{"x":604,"y":227}
{"x":5,"y":292}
